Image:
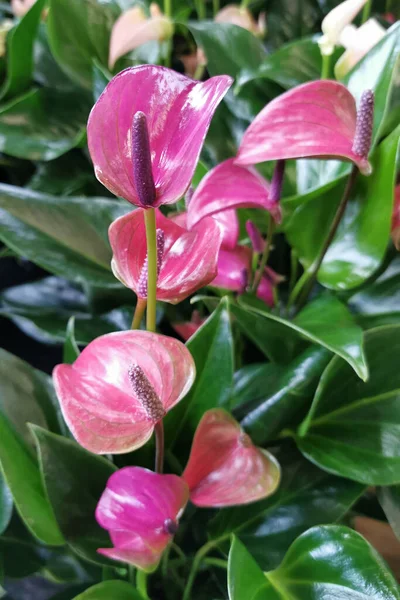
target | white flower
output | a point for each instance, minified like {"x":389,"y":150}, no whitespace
{"x":335,"y":21}
{"x":357,"y":41}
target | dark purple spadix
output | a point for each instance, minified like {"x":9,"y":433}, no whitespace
{"x":255,"y":237}
{"x":146,"y":394}
{"x":142,"y":285}
{"x":364,"y":125}
{"x":275,"y":190}
{"x":244,"y":280}
{"x":141,"y":161}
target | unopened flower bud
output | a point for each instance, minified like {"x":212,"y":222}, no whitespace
{"x":364,"y":125}
{"x":141,"y":159}
{"x":142,"y":285}
{"x":255,"y":237}
{"x":170,"y":526}
{"x":146,"y":394}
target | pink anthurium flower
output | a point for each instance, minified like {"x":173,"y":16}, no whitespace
{"x":396,"y":218}
{"x":225,"y":188}
{"x":187,"y":260}
{"x":224,"y":467}
{"x":228,"y":223}
{"x":316,"y":119}
{"x":140,"y":510}
{"x":120,"y":387}
{"x":151,"y":114}
{"x":21,"y":7}
{"x":188,"y":328}
{"x":242,"y":17}
{"x":133,"y":29}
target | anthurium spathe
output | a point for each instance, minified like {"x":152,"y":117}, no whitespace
{"x":187,"y":260}
{"x":316,"y":119}
{"x":242,"y":17}
{"x":188,"y":328}
{"x":140,"y":510}
{"x":335,"y":21}
{"x":120,"y":387}
{"x":224,"y":467}
{"x":133,"y":29}
{"x":176,"y":112}
{"x":227,"y":187}
{"x":357,"y":41}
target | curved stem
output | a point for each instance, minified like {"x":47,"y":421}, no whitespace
{"x":366,"y":11}
{"x":151,"y":237}
{"x":265,"y":255}
{"x":201,"y":553}
{"x":311,"y":275}
{"x":326,"y":66}
{"x":159,"y":433}
{"x":139,"y":312}
{"x":141,"y":584}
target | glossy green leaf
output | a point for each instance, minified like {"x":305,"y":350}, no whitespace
{"x":67,"y":236}
{"x":43,"y":124}
{"x":389,"y":498}
{"x":357,"y":572}
{"x":279,"y":396}
{"x":79,"y":33}
{"x":42,"y":309}
{"x":70,"y":350}
{"x":117,"y":590}
{"x":324,"y":321}
{"x":74,"y":481}
{"x":306,"y":497}
{"x":353,"y":428}
{"x":20,"y":43}
{"x":6,"y":505}
{"x":291,"y":19}
{"x":20,"y":559}
{"x":212,"y":350}
{"x":26,"y":396}
{"x":362,"y":237}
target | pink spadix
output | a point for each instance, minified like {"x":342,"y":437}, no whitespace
{"x":224,"y":467}
{"x":140,"y":510}
{"x":142,"y":283}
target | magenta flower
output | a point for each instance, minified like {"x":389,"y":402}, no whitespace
{"x":150,"y":114}
{"x":120,"y":387}
{"x":316,"y":119}
{"x":396,"y":218}
{"x":224,"y":189}
{"x":188,"y":328}
{"x":140,"y":510}
{"x":187,"y":260}
{"x":224,"y":467}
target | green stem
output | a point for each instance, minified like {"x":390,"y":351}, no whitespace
{"x":201,"y":553}
{"x":159,"y":433}
{"x":366,"y":11}
{"x":216,"y":562}
{"x":201,"y":9}
{"x":245,"y":3}
{"x":138,"y":314}
{"x":151,"y":236}
{"x":388,"y":6}
{"x":293,"y":269}
{"x":215,"y":6}
{"x":141,"y":584}
{"x":168,"y":8}
{"x":131,"y":574}
{"x":265,"y":255}
{"x":199,"y":72}
{"x":326,"y":66}
{"x":312,"y":274}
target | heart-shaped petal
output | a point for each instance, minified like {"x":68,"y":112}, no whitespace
{"x":96,"y":394}
{"x":178,"y":112}
{"x":316,"y":119}
{"x":140,"y":509}
{"x":225,"y":468}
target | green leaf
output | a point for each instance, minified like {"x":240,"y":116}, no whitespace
{"x":360,"y":243}
{"x":279,"y":396}
{"x":212,"y":350}
{"x":20,"y":559}
{"x":324,"y":321}
{"x":309,"y":571}
{"x":26,"y":395}
{"x":42,"y":309}
{"x":43,"y":124}
{"x":74,"y":481}
{"x":353,"y":429}
{"x":389,"y":498}
{"x":291,"y":19}
{"x":306,"y":497}
{"x":67,"y":236}
{"x":6,"y":505}
{"x":20,"y":42}
{"x":117,"y":590}
{"x":70,"y":350}
{"x":79,"y":33}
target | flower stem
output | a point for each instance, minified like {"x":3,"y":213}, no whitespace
{"x":366,"y":11}
{"x":151,"y":236}
{"x":312,"y":274}
{"x":200,"y":9}
{"x":244,"y":3}
{"x":201,"y":553}
{"x":265,"y":255}
{"x":141,"y":584}
{"x":168,"y":8}
{"x":215,"y":6}
{"x":159,"y":433}
{"x":138,"y":314}
{"x":326,"y":66}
